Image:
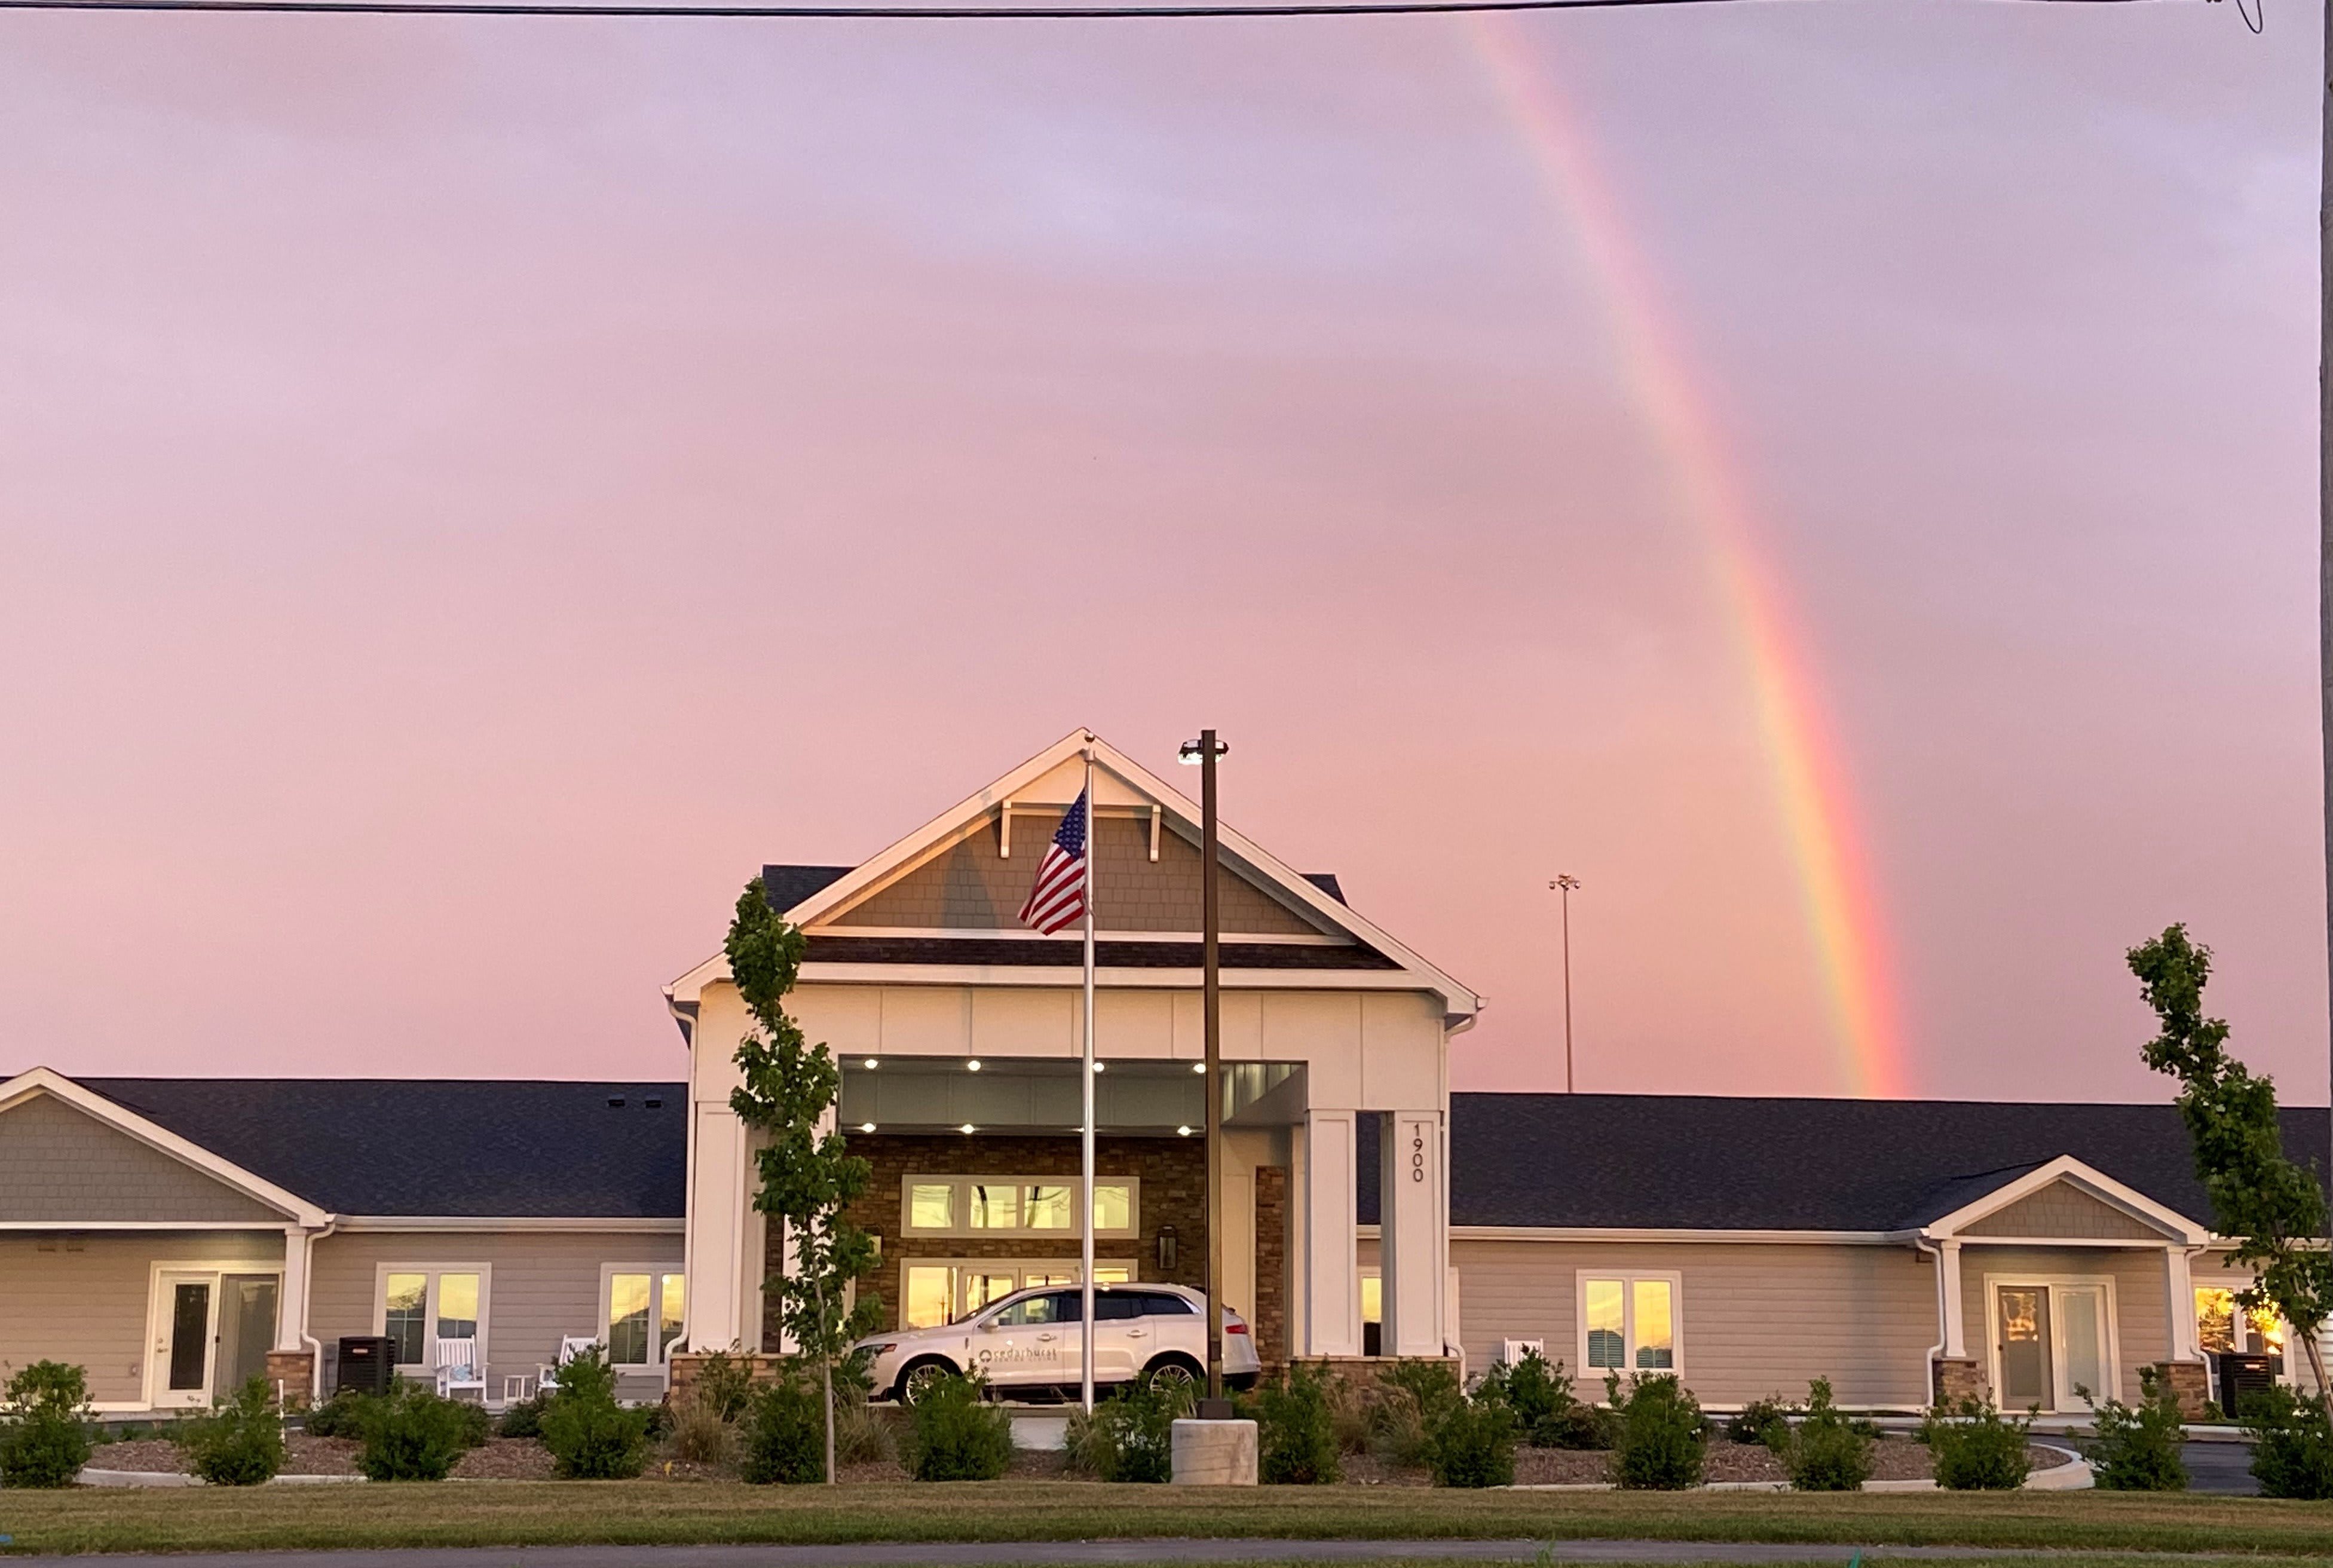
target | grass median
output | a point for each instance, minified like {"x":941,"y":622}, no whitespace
{"x":516,"y":1514}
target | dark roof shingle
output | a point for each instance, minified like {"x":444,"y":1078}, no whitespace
{"x":513,"y":1149}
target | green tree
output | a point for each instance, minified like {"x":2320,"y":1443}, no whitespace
{"x":808,"y":1174}
{"x":2273,"y":1205}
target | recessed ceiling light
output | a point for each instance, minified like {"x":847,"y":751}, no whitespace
{"x":1097,"y":1067}
{"x":973,"y":1065}
{"x":966,"y":1128}
{"x":1179,"y":1132}
{"x":869,"y":1064}
{"x":1199,"y":1067}
{"x":866,"y":1127}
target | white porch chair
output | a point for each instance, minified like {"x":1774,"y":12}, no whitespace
{"x":459,"y":1369}
{"x":546,"y":1379}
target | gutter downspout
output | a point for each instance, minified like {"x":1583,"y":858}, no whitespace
{"x":1936,"y":1352}
{"x":315,"y":1346}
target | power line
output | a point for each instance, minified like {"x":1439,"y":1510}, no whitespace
{"x":938,"y":13}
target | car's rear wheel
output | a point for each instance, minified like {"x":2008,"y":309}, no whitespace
{"x":917,"y":1378}
{"x":1174,"y":1373}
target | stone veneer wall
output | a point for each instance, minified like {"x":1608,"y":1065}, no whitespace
{"x":1174,"y":1191}
{"x":1271,"y":1325}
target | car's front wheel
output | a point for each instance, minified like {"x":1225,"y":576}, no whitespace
{"x":917,"y":1378}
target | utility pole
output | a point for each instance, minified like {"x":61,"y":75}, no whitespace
{"x":1564,"y":885}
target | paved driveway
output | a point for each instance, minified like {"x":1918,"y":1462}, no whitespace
{"x":2225,"y":1467}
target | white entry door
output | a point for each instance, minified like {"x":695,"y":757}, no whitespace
{"x":2078,"y":1316}
{"x":186,"y":1339}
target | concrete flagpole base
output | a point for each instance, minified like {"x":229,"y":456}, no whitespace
{"x":1214,"y":1452}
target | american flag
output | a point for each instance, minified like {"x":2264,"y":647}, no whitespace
{"x":1059,"y":899}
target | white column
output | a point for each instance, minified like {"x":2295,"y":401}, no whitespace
{"x":1948,"y":1266}
{"x":1333,"y":1272}
{"x":1410,"y":1249}
{"x":718,"y":1217}
{"x":291,"y":1304}
{"x":2179,"y":1280}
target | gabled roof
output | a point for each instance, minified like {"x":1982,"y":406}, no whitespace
{"x":1696,"y":1163}
{"x":1119,"y":781}
{"x":522,"y":1149}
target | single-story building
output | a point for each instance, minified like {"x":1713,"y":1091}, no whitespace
{"x":175,"y":1236}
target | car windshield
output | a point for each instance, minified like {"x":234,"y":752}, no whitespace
{"x":1053,"y":1307}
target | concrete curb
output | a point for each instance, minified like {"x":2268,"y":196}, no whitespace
{"x":2074,"y":1476}
{"x":93,"y":1478}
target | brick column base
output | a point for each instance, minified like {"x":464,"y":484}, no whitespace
{"x":761,"y":1367}
{"x":292,"y":1374}
{"x":1959,"y":1378}
{"x":2191,"y":1380}
{"x":1271,"y":1324}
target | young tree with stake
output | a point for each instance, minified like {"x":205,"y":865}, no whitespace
{"x":808,"y":1177}
{"x":2273,"y":1206}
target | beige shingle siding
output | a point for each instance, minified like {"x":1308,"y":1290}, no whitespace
{"x":968,"y":888}
{"x":85,"y":1302}
{"x":1755,"y":1319}
{"x":546,"y":1283}
{"x":2063,"y":1211}
{"x":59,"y":1166}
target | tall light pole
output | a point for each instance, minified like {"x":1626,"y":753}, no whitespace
{"x":1562,"y":886}
{"x":1203,"y":751}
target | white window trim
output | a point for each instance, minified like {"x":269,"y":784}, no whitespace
{"x":427,"y":1367}
{"x":1019,"y":1268}
{"x":657,"y":1274}
{"x":1628,"y":1278}
{"x":2113,"y":1337}
{"x":961,"y":1206}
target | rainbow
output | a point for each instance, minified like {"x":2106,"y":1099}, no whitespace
{"x":1811,"y":780}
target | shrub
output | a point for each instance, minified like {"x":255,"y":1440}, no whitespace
{"x":2138,"y":1449}
{"x":1472,"y":1443}
{"x":1824,"y":1452}
{"x":1660,"y":1445}
{"x":1581,"y":1426}
{"x":1133,"y":1433}
{"x":699,"y":1435}
{"x":1296,"y":1430}
{"x":521,"y":1417}
{"x":784,"y":1432}
{"x":862,"y":1434}
{"x":2293,"y":1452}
{"x":44,"y":1426}
{"x":341,"y":1415}
{"x":725,"y":1384}
{"x":590,"y":1436}
{"x":477,"y":1423}
{"x":410,"y":1434}
{"x":1412,"y":1397}
{"x":1766,"y":1421}
{"x":956,"y":1434}
{"x":1352,"y":1412}
{"x":241,"y":1442}
{"x":1975,"y":1448}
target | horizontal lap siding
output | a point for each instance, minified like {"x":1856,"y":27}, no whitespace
{"x":88,"y":1308}
{"x":1753,"y":1319}
{"x":546,"y":1285}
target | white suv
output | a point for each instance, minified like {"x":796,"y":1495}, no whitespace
{"x":1030,"y":1343}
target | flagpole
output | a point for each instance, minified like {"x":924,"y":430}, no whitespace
{"x":1085,"y":1242}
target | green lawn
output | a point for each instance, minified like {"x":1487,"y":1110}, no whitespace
{"x":516,"y":1513}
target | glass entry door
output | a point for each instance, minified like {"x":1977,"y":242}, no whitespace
{"x":246,"y":1329}
{"x":185,"y":1336}
{"x":2022,"y":1312}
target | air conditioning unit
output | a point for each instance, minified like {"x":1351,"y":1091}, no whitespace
{"x":1512,"y":1352}
{"x":366,"y":1363}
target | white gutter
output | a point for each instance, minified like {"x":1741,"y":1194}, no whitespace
{"x":308,"y":1283}
{"x":1936,"y":1352}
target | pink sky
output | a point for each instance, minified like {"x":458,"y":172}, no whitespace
{"x":470,"y":492}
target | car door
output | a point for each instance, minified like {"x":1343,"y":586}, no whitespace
{"x":1121,"y":1336}
{"x":1172,"y":1324}
{"x":1034,"y":1341}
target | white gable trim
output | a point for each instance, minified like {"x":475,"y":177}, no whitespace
{"x":1459,"y":1003}
{"x":2089,"y":1180}
{"x":48,"y":1081}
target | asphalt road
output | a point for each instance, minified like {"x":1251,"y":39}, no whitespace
{"x":2223,"y":1468}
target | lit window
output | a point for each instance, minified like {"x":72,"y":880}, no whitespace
{"x":942,"y":1292}
{"x":646,"y":1312}
{"x":457,"y":1306}
{"x":995,"y":1207}
{"x":2215,"y":1319}
{"x":1050,"y":1208}
{"x":1372,"y":1298}
{"x":1628,"y":1323}
{"x":931,"y":1206}
{"x":1113,"y":1208}
{"x":2268,"y":1330}
{"x":408,"y":1317}
{"x":930,"y":1297}
{"x":672,"y":1313}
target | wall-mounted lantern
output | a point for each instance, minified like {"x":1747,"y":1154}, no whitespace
{"x":1166,"y":1253}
